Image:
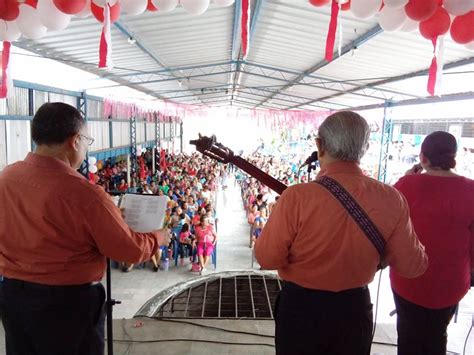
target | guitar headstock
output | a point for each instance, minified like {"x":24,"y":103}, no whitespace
{"x":213,"y":149}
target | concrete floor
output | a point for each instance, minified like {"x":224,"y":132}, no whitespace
{"x":136,"y":287}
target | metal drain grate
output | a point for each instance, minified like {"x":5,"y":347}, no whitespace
{"x":243,"y":296}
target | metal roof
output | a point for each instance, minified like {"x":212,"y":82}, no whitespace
{"x":197,"y":59}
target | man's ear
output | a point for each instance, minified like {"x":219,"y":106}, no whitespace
{"x":319,"y":145}
{"x":74,"y":142}
{"x":423,"y":159}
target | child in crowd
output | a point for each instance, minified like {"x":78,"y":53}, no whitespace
{"x":206,"y":240}
{"x":186,"y":243}
{"x":259,"y":223}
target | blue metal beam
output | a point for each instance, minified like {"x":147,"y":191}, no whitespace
{"x":39,"y":87}
{"x":166,"y":70}
{"x":451,"y":65}
{"x":143,"y":47}
{"x":173,"y":79}
{"x":346,"y":49}
{"x":420,"y":101}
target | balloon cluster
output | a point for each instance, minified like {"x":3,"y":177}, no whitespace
{"x":433,"y":18}
{"x":34,"y":18}
{"x":92,"y":161}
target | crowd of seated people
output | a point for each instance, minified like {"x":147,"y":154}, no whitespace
{"x":190,"y":183}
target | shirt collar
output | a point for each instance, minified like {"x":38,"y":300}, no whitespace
{"x":341,"y":167}
{"x":49,"y":163}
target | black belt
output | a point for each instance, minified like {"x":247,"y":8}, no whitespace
{"x":349,"y":291}
{"x":37,"y":286}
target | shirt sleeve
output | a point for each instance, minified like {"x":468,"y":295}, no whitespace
{"x":273,"y":246}
{"x":113,"y":237}
{"x":404,"y":252}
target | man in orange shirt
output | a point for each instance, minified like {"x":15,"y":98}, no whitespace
{"x":324,"y":256}
{"x":56,"y":230}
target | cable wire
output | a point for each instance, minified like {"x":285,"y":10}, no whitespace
{"x":377,"y":304}
{"x":212,"y":327}
{"x":467,"y":337}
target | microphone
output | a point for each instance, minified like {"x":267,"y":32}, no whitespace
{"x":311,"y":159}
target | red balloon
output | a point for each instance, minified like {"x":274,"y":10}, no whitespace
{"x":346,"y":6}
{"x":70,"y":7}
{"x":9,"y":10}
{"x":32,"y":3}
{"x":98,"y":12}
{"x":462,"y":28}
{"x":319,"y":2}
{"x":151,"y":7}
{"x":420,"y":10}
{"x":436,"y":25}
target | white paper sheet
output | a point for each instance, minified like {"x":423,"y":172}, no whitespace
{"x":144,"y":213}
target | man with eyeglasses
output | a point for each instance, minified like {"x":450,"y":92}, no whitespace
{"x":56,"y":230}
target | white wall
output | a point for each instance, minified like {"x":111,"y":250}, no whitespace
{"x":18,"y":140}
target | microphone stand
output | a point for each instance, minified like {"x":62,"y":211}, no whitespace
{"x":310,"y":167}
{"x":109,"y":304}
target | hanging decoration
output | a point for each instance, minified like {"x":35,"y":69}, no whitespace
{"x":434,"y":18}
{"x":245,"y":26}
{"x":9,"y":10}
{"x":70,"y":7}
{"x":462,"y":28}
{"x":105,"y":48}
{"x":365,"y":8}
{"x":195,"y":7}
{"x":151,"y":7}
{"x":437,"y":25}
{"x":165,"y":5}
{"x":51,"y":17}
{"x":98,"y":11}
{"x":6,"y":87}
{"x":331,"y":38}
{"x":134,"y":7}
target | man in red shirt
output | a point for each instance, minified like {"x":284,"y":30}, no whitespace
{"x":56,"y":230}
{"x":324,"y":256}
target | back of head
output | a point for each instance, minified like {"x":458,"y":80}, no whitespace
{"x":54,"y":122}
{"x":345,"y":135}
{"x":440,"y":148}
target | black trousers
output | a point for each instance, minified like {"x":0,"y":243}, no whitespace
{"x":421,"y":330}
{"x":322,"y":322}
{"x":52,"y":320}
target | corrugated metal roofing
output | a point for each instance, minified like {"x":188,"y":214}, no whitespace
{"x":196,"y":59}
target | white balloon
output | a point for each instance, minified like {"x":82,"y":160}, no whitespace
{"x":165,"y":5}
{"x":409,"y":25}
{"x":470,"y":46}
{"x":223,"y":3}
{"x":9,"y":31}
{"x":29,"y":23}
{"x":395,"y":4}
{"x":92,"y":160}
{"x":86,"y":11}
{"x":102,"y":3}
{"x":392,"y":19}
{"x":133,"y":7}
{"x":365,"y":8}
{"x":458,"y":7}
{"x":195,"y":7}
{"x":51,"y":17}
{"x":92,"y":169}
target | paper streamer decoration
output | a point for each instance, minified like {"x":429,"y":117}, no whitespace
{"x":105,"y":49}
{"x":6,"y":89}
{"x":331,"y":38}
{"x":245,"y":26}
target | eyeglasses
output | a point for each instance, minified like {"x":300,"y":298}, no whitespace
{"x":90,"y":140}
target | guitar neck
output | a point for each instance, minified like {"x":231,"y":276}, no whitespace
{"x":258,"y":174}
